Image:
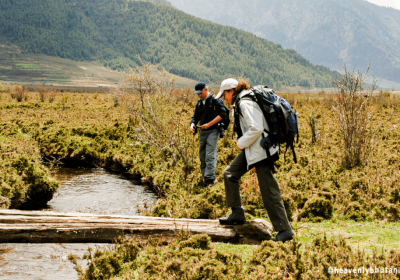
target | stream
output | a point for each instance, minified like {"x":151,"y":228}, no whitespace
{"x":94,"y":191}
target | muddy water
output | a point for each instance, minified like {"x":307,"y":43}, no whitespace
{"x":93,"y":191}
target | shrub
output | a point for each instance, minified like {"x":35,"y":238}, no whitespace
{"x":316,"y":208}
{"x":356,"y":212}
{"x":24,"y":181}
{"x":160,"y":118}
{"x":143,"y":82}
{"x":352,"y":111}
{"x":19,"y":93}
{"x":46,"y":94}
{"x":312,"y":122}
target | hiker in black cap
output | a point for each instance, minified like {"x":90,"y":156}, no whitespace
{"x":208,"y":112}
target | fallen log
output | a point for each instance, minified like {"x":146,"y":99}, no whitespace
{"x":52,"y":227}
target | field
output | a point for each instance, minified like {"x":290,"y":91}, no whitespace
{"x":33,"y":70}
{"x":150,"y":140}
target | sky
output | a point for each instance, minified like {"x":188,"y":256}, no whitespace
{"x":388,"y":3}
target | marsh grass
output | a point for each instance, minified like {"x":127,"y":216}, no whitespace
{"x":88,"y":130}
{"x":194,"y":257}
{"x":25,"y":182}
{"x":367,"y":236}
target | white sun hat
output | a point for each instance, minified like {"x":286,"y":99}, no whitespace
{"x":226,"y":85}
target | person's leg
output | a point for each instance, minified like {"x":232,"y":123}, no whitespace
{"x":232,"y":174}
{"x":272,"y":199}
{"x":202,"y":150}
{"x":211,"y":155}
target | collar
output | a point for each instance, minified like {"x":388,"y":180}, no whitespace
{"x":210,"y":95}
{"x":244,"y":92}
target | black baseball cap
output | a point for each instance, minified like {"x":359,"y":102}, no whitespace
{"x":199,"y":87}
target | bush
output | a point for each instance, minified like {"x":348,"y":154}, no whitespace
{"x":312,"y":121}
{"x":19,"y":93}
{"x":24,"y":182}
{"x":316,"y":208}
{"x":352,"y":111}
{"x":46,"y":94}
{"x":356,"y":212}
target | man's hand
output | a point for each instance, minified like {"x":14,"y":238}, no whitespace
{"x":192,"y":127}
{"x":205,"y":126}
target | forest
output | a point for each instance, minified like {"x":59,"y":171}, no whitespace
{"x":115,"y":32}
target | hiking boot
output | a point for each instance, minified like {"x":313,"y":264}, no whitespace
{"x":284,"y":235}
{"x":208,"y":183}
{"x":237,"y":217}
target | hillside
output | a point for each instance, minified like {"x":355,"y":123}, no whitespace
{"x":39,"y":69}
{"x":327,"y":32}
{"x":113,"y":32}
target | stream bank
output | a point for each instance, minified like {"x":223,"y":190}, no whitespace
{"x":94,"y":191}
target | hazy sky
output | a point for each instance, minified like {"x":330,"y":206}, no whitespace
{"x":389,"y":3}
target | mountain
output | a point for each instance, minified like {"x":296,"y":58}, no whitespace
{"x":115,"y":31}
{"x":327,"y":32}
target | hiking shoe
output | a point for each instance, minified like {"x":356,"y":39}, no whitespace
{"x":237,"y":217}
{"x":284,"y":235}
{"x":208,"y":183}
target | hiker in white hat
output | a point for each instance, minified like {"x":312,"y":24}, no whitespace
{"x":251,"y":127}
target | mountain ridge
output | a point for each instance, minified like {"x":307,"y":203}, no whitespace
{"x":329,"y":33}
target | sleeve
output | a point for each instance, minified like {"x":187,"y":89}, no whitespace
{"x":221,"y":109}
{"x":253,"y":118}
{"x":194,"y":118}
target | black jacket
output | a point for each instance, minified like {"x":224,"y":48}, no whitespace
{"x":206,"y":113}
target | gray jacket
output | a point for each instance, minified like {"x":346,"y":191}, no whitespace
{"x":252,"y":123}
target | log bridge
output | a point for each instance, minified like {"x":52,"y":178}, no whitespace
{"x":52,"y":227}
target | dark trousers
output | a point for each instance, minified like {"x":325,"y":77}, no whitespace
{"x":269,"y":187}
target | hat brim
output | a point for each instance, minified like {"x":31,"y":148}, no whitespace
{"x":197,"y":92}
{"x":219,"y":95}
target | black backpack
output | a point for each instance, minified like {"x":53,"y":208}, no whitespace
{"x":224,"y":114}
{"x":282,"y":121}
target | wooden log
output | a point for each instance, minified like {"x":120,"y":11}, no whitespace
{"x":54,"y":227}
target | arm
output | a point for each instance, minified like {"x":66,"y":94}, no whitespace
{"x":211,"y":123}
{"x":253,"y":118}
{"x":194,"y":119}
{"x":219,"y":107}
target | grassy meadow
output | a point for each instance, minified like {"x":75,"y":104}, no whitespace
{"x":343,"y":216}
